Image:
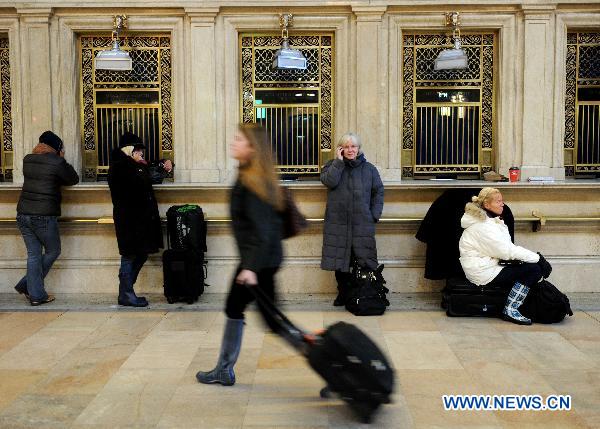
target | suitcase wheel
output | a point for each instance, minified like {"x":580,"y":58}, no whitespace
{"x":190,"y":300}
{"x":170,"y":300}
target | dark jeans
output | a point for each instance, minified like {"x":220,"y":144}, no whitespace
{"x":39,"y":233}
{"x":527,"y":274}
{"x":131,"y":266}
{"x":239,"y":296}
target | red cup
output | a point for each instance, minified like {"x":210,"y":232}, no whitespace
{"x":514,"y":174}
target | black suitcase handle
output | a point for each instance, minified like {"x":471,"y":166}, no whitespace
{"x":295,"y":336}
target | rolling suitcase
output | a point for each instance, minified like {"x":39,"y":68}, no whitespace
{"x":183,"y":272}
{"x":184,"y":266}
{"x":462,"y":298}
{"x":347,"y":359}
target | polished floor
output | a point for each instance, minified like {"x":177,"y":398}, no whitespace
{"x":112,"y":369}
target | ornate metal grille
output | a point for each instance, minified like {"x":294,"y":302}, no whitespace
{"x":6,"y":143}
{"x":582,"y":104}
{"x":113,"y":102}
{"x":448,"y":125}
{"x":296,"y":106}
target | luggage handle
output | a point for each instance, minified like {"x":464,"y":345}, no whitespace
{"x":297,"y":337}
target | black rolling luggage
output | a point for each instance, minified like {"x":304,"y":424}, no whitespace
{"x":184,"y":267}
{"x":351,"y":364}
{"x":183,"y":272}
{"x":463,"y":298}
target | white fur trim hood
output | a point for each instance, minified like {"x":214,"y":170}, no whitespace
{"x":484,"y":242}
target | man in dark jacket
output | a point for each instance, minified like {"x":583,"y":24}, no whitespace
{"x":354,"y":205}
{"x":135,"y":213}
{"x":45,"y":171}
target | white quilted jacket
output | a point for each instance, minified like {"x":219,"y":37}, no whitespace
{"x":483,"y":243}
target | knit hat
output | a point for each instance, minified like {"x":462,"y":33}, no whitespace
{"x":52,"y":140}
{"x":130,"y":139}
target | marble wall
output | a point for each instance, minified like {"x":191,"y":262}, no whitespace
{"x":368,"y":34}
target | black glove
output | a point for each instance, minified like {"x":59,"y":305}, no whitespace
{"x":545,"y":266}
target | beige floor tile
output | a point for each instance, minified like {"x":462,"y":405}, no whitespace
{"x":275,"y":353}
{"x":286,"y":383}
{"x":13,"y":383}
{"x":581,"y":326}
{"x":193,"y":408}
{"x":420,"y":350}
{"x":187,"y":321}
{"x":75,"y":321}
{"x":42,"y":350}
{"x":16,"y":327}
{"x":392,"y":416}
{"x":44,"y":411}
{"x":80,"y":376}
{"x":127,"y":409}
{"x":541,"y":419}
{"x":591,"y":348}
{"x":423,"y":390}
{"x":283,"y":411}
{"x":549,"y":350}
{"x":407,"y":321}
{"x":165,"y":349}
{"x":479,"y":358}
{"x":499,"y":378}
{"x":307,"y":320}
{"x":122,"y":330}
{"x":251,"y":338}
{"x":584,"y":388}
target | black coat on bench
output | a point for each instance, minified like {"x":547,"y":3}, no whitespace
{"x":441,"y":231}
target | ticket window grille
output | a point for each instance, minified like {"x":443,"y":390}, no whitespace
{"x":6,"y":142}
{"x":291,"y":118}
{"x":448,"y":125}
{"x":582,"y":105}
{"x":295,"y":106}
{"x":447,"y":128}
{"x":139,"y":101}
{"x":121,"y":111}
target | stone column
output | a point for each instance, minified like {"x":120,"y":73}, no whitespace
{"x":36,"y":74}
{"x":202,"y":96}
{"x":371,"y":98}
{"x":539,"y":141}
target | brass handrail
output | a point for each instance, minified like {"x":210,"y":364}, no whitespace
{"x":535,"y":218}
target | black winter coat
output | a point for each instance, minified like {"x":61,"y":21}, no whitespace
{"x":354,"y":205}
{"x":135,"y":211}
{"x":257,"y":228}
{"x":441,"y":230}
{"x":44,"y":175}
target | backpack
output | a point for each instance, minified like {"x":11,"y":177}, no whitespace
{"x":367,"y":294}
{"x":546,"y":304}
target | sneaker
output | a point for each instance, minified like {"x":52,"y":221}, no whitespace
{"x":48,"y":299}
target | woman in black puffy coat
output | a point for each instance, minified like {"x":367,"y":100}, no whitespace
{"x":354,"y":206}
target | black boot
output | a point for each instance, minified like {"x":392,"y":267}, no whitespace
{"x":127,"y":295}
{"x":230,"y":350}
{"x":343,"y":287}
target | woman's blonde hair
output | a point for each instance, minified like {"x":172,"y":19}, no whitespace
{"x":485,"y":196}
{"x":258,"y":175}
{"x":354,"y":138}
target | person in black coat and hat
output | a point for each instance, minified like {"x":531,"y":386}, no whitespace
{"x":135,"y":213}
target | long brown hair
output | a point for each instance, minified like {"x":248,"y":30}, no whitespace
{"x":258,"y":174}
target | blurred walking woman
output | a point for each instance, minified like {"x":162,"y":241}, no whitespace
{"x":256,"y":204}
{"x":354,"y":205}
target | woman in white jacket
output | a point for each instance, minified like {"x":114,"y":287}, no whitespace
{"x":486,"y":241}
